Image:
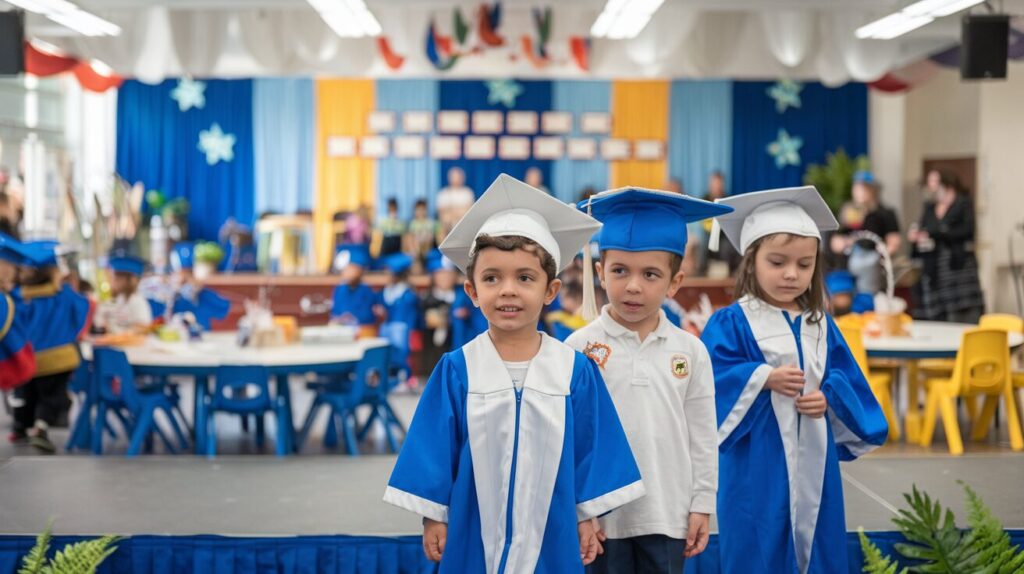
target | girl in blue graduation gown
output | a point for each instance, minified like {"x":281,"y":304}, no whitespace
{"x":791,"y":400}
{"x":17,"y":359}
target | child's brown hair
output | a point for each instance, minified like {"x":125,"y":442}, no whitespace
{"x":812,"y":300}
{"x":675,"y":262}
{"x":511,"y":243}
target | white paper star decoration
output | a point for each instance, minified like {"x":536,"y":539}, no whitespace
{"x":189,"y":94}
{"x":217,"y":145}
{"x":786,"y":94}
{"x":785,"y":149}
{"x":504,"y":92}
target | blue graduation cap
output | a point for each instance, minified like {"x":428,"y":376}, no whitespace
{"x":182,"y":255}
{"x":122,"y":262}
{"x":436,"y":261}
{"x":637,"y":219}
{"x":397,"y":263}
{"x":40,"y":253}
{"x":11,"y":250}
{"x":351,"y":254}
{"x":840,"y":281}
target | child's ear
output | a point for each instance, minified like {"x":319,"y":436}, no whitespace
{"x":553,"y":288}
{"x":599,"y":267}
{"x":471,"y":291}
{"x":676,"y":283}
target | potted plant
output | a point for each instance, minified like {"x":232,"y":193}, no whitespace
{"x":834,"y":180}
{"x":207,"y":257}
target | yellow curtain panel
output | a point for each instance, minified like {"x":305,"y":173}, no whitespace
{"x":343,"y":183}
{"x":640,"y":111}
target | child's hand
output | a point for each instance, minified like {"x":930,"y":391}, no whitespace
{"x":786,"y":380}
{"x":812,"y":404}
{"x":589,"y":546}
{"x":697,"y":534}
{"x":435,"y":535}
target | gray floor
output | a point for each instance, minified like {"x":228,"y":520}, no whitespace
{"x":326,"y":492}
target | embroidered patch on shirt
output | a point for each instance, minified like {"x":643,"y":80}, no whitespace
{"x":598,"y":352}
{"x":680,"y":366}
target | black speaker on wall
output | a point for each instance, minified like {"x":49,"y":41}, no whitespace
{"x":12,"y":43}
{"x":985,"y":40}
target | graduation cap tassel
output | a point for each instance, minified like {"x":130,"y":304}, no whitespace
{"x":589,"y":311}
{"x":715,"y":237}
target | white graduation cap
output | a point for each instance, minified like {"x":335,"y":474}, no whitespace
{"x":511,"y":207}
{"x":794,"y":210}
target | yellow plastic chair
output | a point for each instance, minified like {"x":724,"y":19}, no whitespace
{"x":880,"y":383}
{"x":981,"y":369}
{"x":934,"y":368}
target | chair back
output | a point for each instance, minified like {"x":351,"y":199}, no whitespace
{"x":1002,"y":321}
{"x":983,"y":362}
{"x":115,"y":379}
{"x":855,"y":342}
{"x":371,"y":377}
{"x":81,"y":378}
{"x":242,"y":389}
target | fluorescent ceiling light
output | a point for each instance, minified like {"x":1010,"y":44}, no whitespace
{"x":912,"y":17}
{"x":624,"y":19}
{"x":70,"y":16}
{"x":347,"y":18}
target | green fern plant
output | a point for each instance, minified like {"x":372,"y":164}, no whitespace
{"x":78,"y":558}
{"x":834,"y":180}
{"x":935,"y":542}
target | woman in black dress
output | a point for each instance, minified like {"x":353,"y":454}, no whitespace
{"x":943,"y":241}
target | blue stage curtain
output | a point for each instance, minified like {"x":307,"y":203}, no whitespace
{"x":570,"y":177}
{"x":406,"y":179}
{"x":828,"y":119}
{"x":158,"y":145}
{"x":282,"y":117}
{"x":331,"y":554}
{"x":700,"y":133}
{"x":471,"y":95}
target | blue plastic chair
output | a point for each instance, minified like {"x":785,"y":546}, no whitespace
{"x":245,"y":391}
{"x":372,"y":370}
{"x":80,"y":385}
{"x":136,"y":408}
{"x":376,"y":397}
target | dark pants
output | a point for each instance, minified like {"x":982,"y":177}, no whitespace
{"x":43,"y":398}
{"x":653,"y":554}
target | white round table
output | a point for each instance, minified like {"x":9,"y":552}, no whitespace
{"x":200,"y":360}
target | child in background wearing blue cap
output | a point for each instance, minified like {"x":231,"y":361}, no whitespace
{"x":353,"y":302}
{"x":402,"y":308}
{"x":436,"y":309}
{"x":515,"y":444}
{"x":54,"y":318}
{"x":128,"y":310}
{"x":659,"y":377}
{"x":191,"y":297}
{"x":791,"y":400}
{"x":17,"y":359}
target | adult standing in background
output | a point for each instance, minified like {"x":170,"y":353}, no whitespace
{"x":721,"y":263}
{"x":454,"y":200}
{"x":943,"y":240}
{"x":866,"y":213}
{"x":535,"y":178}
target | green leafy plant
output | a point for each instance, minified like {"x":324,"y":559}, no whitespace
{"x":78,"y":558}
{"x":935,"y":542}
{"x":155,"y":200}
{"x":834,"y":180}
{"x":208,"y":252}
{"x":178,"y":207}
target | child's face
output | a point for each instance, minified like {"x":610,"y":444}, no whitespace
{"x":393,"y":211}
{"x":421,"y":212}
{"x":444,"y":279}
{"x":571,"y":304}
{"x":784,"y":267}
{"x":637,"y":282}
{"x":352,"y":273}
{"x":511,"y":289}
{"x":8,"y":275}
{"x":122,"y":283}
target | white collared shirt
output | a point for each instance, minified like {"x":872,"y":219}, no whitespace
{"x":664,"y":391}
{"x":124,"y":313}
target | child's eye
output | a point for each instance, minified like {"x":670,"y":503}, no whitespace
{"x":490,"y":279}
{"x":525,"y":278}
{"x":805,"y":266}
{"x":618,"y":271}
{"x":651,"y":275}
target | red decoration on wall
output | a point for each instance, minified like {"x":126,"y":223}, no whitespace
{"x":580,"y":48}
{"x":39,"y":63}
{"x":393,"y":60}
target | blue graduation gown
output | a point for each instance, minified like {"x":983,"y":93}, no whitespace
{"x":208,"y":305}
{"x":17,"y":360}
{"x":358,"y":302}
{"x":772,"y":517}
{"x":403,"y":309}
{"x":512,"y":471}
{"x":467,"y":329}
{"x":54,"y":317}
{"x":674,"y":312}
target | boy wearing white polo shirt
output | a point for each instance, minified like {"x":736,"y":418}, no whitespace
{"x":659,"y":377}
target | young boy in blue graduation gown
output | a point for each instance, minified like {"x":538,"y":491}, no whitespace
{"x":205,"y":304}
{"x":353,"y":302}
{"x":791,"y":400}
{"x":660,"y":378}
{"x":436,"y":308}
{"x":127,"y":311}
{"x":402,"y":309}
{"x":54,"y":318}
{"x":515,"y":445}
{"x":17,"y":359}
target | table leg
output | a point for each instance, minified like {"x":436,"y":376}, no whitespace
{"x":912,"y":423}
{"x":199,"y":413}
{"x":285,"y":394}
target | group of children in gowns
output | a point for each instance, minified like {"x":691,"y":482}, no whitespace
{"x":528,"y":455}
